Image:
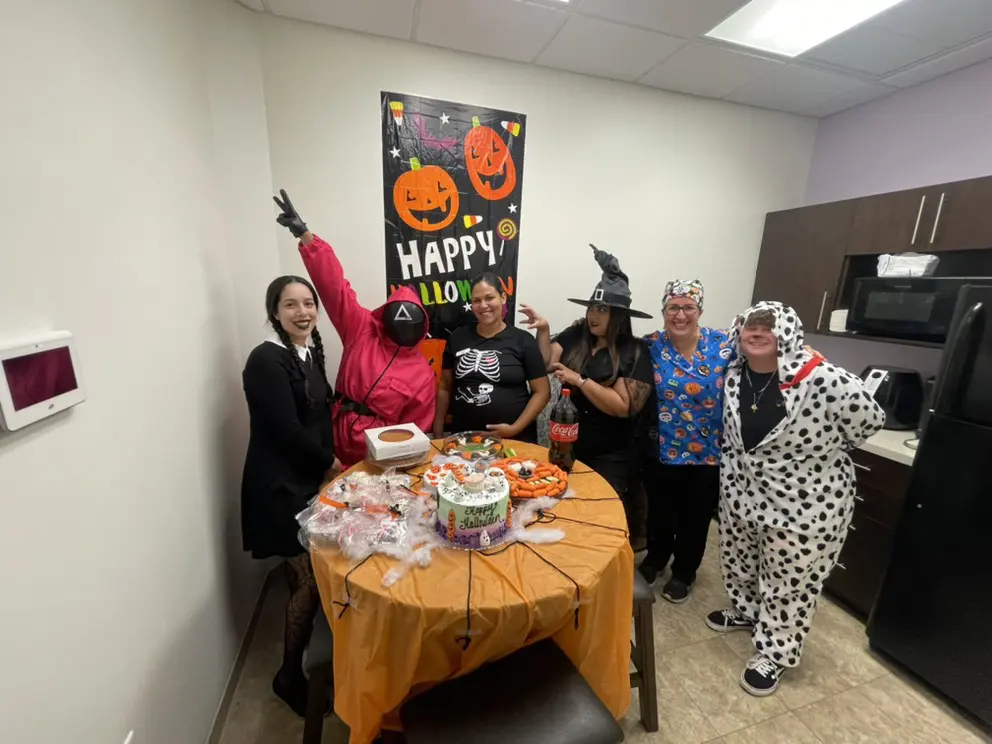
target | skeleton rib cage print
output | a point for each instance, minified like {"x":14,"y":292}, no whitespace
{"x":486,"y":363}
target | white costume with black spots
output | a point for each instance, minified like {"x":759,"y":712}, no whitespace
{"x":787,"y":504}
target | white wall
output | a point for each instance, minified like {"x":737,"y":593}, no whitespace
{"x":675,"y":186}
{"x":125,"y":593}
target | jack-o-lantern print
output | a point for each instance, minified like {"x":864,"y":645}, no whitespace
{"x":426,"y":197}
{"x":489,"y":163}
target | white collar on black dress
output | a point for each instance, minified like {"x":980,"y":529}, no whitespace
{"x":303,"y":351}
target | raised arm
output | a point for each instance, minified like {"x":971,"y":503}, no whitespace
{"x":335,"y":291}
{"x":855,"y":412}
{"x":537,"y":322}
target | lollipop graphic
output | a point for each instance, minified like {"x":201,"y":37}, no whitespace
{"x":507,"y":230}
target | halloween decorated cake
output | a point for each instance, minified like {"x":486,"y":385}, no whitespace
{"x":474,"y":511}
{"x":530,"y":478}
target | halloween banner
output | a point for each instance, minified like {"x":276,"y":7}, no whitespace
{"x":453,"y":178}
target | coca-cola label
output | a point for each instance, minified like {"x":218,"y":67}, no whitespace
{"x":564,"y":432}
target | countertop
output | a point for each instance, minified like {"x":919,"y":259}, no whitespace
{"x":889,"y":444}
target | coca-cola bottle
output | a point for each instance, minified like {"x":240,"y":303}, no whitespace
{"x":564,"y":431}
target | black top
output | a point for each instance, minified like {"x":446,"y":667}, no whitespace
{"x":760,"y":411}
{"x":290,"y":448}
{"x":490,"y":377}
{"x":602,"y":436}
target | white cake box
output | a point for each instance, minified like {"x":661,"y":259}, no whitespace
{"x":400,"y":442}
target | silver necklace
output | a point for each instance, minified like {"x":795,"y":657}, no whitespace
{"x":756,"y":399}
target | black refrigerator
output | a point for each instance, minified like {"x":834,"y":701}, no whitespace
{"x":934,"y":611}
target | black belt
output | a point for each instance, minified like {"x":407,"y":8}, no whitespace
{"x":350,"y":406}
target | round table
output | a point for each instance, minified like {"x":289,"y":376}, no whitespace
{"x":393,"y":642}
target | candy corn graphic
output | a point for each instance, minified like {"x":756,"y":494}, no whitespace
{"x":512,"y":127}
{"x":471,"y":220}
{"x":397,"y":109}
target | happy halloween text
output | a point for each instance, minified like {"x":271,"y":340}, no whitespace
{"x":478,"y":516}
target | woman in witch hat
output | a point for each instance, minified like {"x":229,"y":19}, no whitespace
{"x":608,"y":371}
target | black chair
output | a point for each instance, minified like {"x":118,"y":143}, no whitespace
{"x":532,"y":696}
{"x":319,"y":666}
{"x":642,"y":653}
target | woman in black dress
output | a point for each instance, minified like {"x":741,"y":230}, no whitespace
{"x":609,"y":373}
{"x":290,"y":455}
{"x":494,"y":375}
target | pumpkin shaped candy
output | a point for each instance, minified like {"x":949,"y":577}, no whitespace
{"x":426,"y":197}
{"x":489,"y":163}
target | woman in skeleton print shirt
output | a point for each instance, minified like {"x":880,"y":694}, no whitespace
{"x":787,"y":484}
{"x":494,"y":377}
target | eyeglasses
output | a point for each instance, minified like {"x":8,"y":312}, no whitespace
{"x":688,"y":310}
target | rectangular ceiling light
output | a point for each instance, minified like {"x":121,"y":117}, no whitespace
{"x":791,"y":27}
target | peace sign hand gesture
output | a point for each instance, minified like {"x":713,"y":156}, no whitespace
{"x":289,"y":218}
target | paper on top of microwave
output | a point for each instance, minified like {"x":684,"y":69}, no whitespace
{"x":907,"y":264}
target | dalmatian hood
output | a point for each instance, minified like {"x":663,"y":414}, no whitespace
{"x":793,"y":359}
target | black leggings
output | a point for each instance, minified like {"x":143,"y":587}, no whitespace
{"x":681,"y":500}
{"x":300,"y":611}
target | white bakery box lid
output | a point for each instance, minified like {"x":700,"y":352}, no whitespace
{"x":396,"y":443}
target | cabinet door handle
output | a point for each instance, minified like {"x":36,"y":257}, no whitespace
{"x":859,"y":466}
{"x":852,"y":528}
{"x":936,"y":221}
{"x":823,"y":305}
{"x":842,"y":566}
{"x":859,"y":498}
{"x":919,"y":216}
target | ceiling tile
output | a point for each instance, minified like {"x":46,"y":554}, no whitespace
{"x":873,"y":50}
{"x":867,"y":92}
{"x":688,"y":18}
{"x":380,"y":17}
{"x":949,"y":62}
{"x":947,"y":23}
{"x":708,"y":70}
{"x":495,"y":28}
{"x":607,"y":49}
{"x":793,"y":88}
{"x":253,"y":4}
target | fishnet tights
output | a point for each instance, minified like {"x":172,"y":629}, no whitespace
{"x":300,"y":611}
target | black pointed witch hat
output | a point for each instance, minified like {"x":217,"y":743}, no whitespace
{"x":613,"y":289}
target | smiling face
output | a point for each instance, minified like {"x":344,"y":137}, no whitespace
{"x":487,"y":303}
{"x":598,"y":320}
{"x":426,"y":198}
{"x":489,"y":164}
{"x":682,"y":318}
{"x":758,"y":340}
{"x":297,"y":312}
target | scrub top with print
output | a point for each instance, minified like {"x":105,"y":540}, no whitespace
{"x":690,"y":397}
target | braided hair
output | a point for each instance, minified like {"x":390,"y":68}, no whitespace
{"x":272,"y":296}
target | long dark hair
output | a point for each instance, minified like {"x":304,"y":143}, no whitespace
{"x":619,"y":333}
{"x":272,"y":296}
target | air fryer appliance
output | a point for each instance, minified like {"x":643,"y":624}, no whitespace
{"x":899,"y":392}
{"x":932,"y":614}
{"x":928,"y":386}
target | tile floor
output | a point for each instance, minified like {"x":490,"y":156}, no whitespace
{"x":842,"y":694}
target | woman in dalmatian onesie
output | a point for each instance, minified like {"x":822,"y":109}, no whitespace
{"x":787,"y":484}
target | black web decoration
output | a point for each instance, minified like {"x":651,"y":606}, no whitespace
{"x":466,"y":640}
{"x":347,"y":588}
{"x":578,"y":591}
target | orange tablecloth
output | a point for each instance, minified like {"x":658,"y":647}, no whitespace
{"x":398,"y":641}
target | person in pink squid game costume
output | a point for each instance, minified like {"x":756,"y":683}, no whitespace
{"x":383,"y":378}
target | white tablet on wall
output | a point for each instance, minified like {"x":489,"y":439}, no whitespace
{"x":39,"y":376}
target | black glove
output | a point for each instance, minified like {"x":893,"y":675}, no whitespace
{"x":289,"y":218}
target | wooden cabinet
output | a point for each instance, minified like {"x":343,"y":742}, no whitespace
{"x":881,"y":495}
{"x":801,"y":260}
{"x":891,"y":223}
{"x":963,"y":219}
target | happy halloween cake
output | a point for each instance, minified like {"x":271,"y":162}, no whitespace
{"x":475,"y":511}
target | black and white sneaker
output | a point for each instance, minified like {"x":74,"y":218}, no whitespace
{"x":676,"y":591}
{"x":725,"y":621}
{"x":761,"y":676}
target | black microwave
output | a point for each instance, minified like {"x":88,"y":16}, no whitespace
{"x":911,"y":308}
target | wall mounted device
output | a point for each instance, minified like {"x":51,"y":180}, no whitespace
{"x":39,"y":376}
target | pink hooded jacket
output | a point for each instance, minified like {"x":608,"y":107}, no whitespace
{"x":404,"y":393}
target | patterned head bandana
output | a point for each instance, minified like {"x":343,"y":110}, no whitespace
{"x":691,"y":289}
